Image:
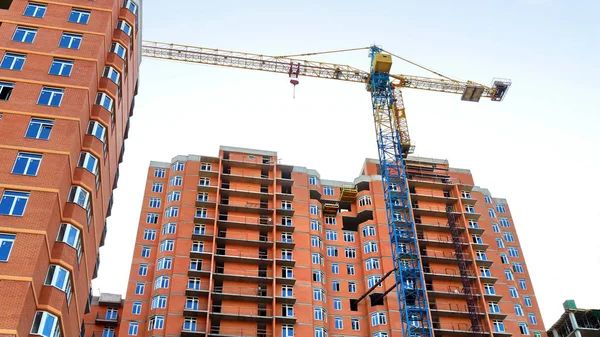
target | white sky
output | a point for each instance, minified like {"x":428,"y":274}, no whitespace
{"x":539,"y":149}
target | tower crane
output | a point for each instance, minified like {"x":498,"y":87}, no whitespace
{"x":393,"y":142}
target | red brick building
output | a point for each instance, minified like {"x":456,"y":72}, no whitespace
{"x":104,"y":317}
{"x":240,"y":245}
{"x":68,"y":77}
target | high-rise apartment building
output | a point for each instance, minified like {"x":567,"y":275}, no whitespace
{"x":241,"y":245}
{"x":68,"y":77}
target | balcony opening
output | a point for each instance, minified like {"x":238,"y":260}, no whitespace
{"x":264,"y":173}
{"x":5,"y":4}
{"x":266,"y":160}
{"x":286,"y":174}
{"x":376,"y":299}
{"x":224,"y":201}
{"x":226,"y":170}
{"x":264,"y":189}
{"x":353,"y":304}
{"x":5,"y":92}
{"x":446,"y":194}
{"x":226,"y":155}
{"x":286,"y":189}
{"x":223,"y":217}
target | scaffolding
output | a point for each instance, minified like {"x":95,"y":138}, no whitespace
{"x":348,"y":193}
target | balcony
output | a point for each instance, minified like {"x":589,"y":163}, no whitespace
{"x":497,"y":315}
{"x":197,"y":290}
{"x":285,"y":210}
{"x":287,"y":262}
{"x":224,"y":331}
{"x":246,"y":177}
{"x":476,"y":230}
{"x":452,"y":310}
{"x":286,"y":244}
{"x":242,"y":314}
{"x":440,"y":240}
{"x":472,"y":215}
{"x":479,"y":245}
{"x":202,"y":235}
{"x":201,"y":252}
{"x":438,"y":227}
{"x":208,"y":173}
{"x":285,"y":196}
{"x":431,"y":211}
{"x":243,"y":275}
{"x":206,"y":188}
{"x":243,"y":256}
{"x":245,"y":294}
{"x":191,"y":332}
{"x":200,"y":218}
{"x":445,"y":257}
{"x":488,"y":278}
{"x":204,"y":271}
{"x":455,"y":330}
{"x":454,"y":292}
{"x":446,"y":274}
{"x":256,"y":163}
{"x":205,"y":203}
{"x":248,"y":207}
{"x":247,"y":193}
{"x":492,"y":297}
{"x":244,"y":239}
{"x":108,"y":319}
{"x":195,"y":309}
{"x":245,"y":222}
{"x":441,"y":184}
{"x":424,"y":196}
{"x":484,"y":263}
{"x":287,"y":182}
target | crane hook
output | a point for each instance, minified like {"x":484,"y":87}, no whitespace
{"x":294,"y":72}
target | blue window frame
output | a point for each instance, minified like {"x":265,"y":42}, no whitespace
{"x":130,"y":5}
{"x":61,"y":67}
{"x":39,"y":129}
{"x":6,"y":243}
{"x":71,"y":41}
{"x":79,"y":16}
{"x":24,"y":34}
{"x":527,"y":301}
{"x":13,"y":61}
{"x":133,"y":329}
{"x":136,"y":308}
{"x":125,"y":27}
{"x":35,"y":10}
{"x":51,"y":96}
{"x":27,"y":164}
{"x":118,"y":49}
{"x":159,"y":173}
{"x":139,"y":288}
{"x":45,"y":324}
{"x":504,"y":222}
{"x":145,"y":251}
{"x":150,"y":234}
{"x":13,"y":203}
{"x":105,"y":101}
{"x":112,"y":74}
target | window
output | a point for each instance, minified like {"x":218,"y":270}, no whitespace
{"x":152,"y":218}
{"x":69,"y":40}
{"x":494,"y":307}
{"x":287,"y":291}
{"x":504,"y":258}
{"x":5,"y":91}
{"x":509,"y":275}
{"x":199,"y":229}
{"x":287,"y":330}
{"x":35,"y":10}
{"x":522,"y":284}
{"x":364,"y":200}
{"x":481,"y":255}
{"x":79,"y":16}
{"x":335,"y":285}
{"x":70,"y":235}
{"x":513,"y":292}
{"x":287,"y":220}
{"x":287,"y":310}
{"x":13,"y":61}
{"x":372,"y":263}
{"x":133,"y":329}
{"x":89,"y":162}
{"x":370,"y":247}
{"x":177,"y":181}
{"x":193,"y":283}
{"x":317,"y":276}
{"x":499,"y":243}
{"x":157,"y":187}
{"x":169,"y":228}
{"x":23,"y":34}
{"x":156,"y":323}
{"x":139,"y":288}
{"x":201,"y":182}
{"x":477,"y":239}
{"x":328,"y":190}
{"x":489,"y":289}
{"x":195,"y":264}
{"x":378,"y":318}
{"x":537,"y":334}
{"x":315,"y":225}
{"x":513,"y":252}
{"x":178,"y":166}
{"x":320,"y":332}
{"x":154,"y":203}
{"x":39,"y":129}
{"x":286,"y":237}
{"x":518,"y":267}
{"x":335,"y":268}
{"x":206,"y":167}
{"x":331,"y":235}
{"x":79,"y":196}
{"x":508,"y":236}
{"x":125,"y":27}
{"x":189,"y":324}
{"x":286,"y":254}
{"x":164,"y":263}
{"x":45,"y":324}
{"x":159,"y":173}
{"x":6,"y":243}
{"x":351,"y":287}
{"x":51,"y":96}
{"x":473,"y":224}
{"x":485,"y":272}
{"x":469,"y":209}
{"x":330,"y":220}
{"x":504,"y":222}
{"x":172,"y":212}
{"x":527,"y":301}
{"x":316,"y":258}
{"x":339,"y":323}
{"x":112,"y":74}
{"x":350,"y":269}
{"x":146,"y":251}
{"x":13,"y":203}
{"x":198,"y":246}
{"x":316,"y":241}
{"x":104,"y":101}
{"x":532,"y":319}
{"x":143,"y":269}
{"x":314,"y":209}
{"x":498,"y":326}
{"x":491,"y":213}
{"x":192,"y":303}
{"x":319,"y":313}
{"x":167,"y":245}
{"x":136,"y":308}
{"x":524,"y":329}
{"x":465,"y":194}
{"x":500,"y":209}
{"x":201,"y":213}
{"x":372,"y":281}
{"x":350,"y":253}
{"x":161,"y":282}
{"x":61,"y":67}
{"x":332,"y":251}
{"x":368,"y":231}
{"x":318,"y":294}
{"x":312,"y":180}
{"x":111,"y":313}
{"x":287,"y":272}
{"x":355,"y":324}
{"x":202,"y":196}
{"x":27,"y":164}
{"x":130,"y":5}
{"x":59,"y":277}
{"x":488,"y":199}
{"x":495,"y":228}
{"x":118,"y":49}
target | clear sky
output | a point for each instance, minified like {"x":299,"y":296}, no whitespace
{"x":539,"y":148}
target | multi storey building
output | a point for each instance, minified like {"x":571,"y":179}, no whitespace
{"x":68,"y":77}
{"x":240,"y":245}
{"x":104,"y":316}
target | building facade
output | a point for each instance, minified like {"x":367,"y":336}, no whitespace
{"x":104,"y":316}
{"x":576,"y":322}
{"x":68,"y":77}
{"x":240,"y":245}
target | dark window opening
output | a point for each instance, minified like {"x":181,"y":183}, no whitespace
{"x":264,"y":189}
{"x":376,"y":299}
{"x":5,"y":92}
{"x":353,"y":304}
{"x":286,"y":175}
{"x":5,"y":4}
